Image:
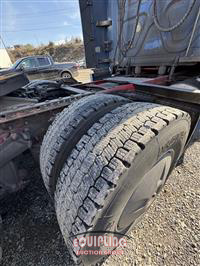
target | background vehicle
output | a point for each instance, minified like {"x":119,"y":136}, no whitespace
{"x":42,"y":67}
{"x":81,"y":63}
{"x":109,"y":153}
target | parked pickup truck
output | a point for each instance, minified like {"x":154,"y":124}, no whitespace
{"x":42,"y":67}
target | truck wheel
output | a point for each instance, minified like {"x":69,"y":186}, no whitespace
{"x":66,"y":75}
{"x":69,"y":126}
{"x":115,"y":171}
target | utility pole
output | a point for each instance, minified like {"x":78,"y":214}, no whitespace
{"x":2,"y":41}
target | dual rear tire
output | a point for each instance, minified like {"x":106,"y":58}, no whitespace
{"x":103,"y":161}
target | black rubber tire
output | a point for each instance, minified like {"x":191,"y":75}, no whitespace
{"x":97,"y":177}
{"x":66,"y":72}
{"x":67,"y":129}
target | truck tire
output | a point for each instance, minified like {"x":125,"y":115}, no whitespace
{"x":115,"y":171}
{"x":69,"y":126}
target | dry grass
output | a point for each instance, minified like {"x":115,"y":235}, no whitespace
{"x":70,"y":51}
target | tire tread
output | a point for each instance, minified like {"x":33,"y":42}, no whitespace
{"x":92,"y":170}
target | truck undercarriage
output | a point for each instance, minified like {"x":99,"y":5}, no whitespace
{"x":26,"y":112}
{"x":106,"y":148}
{"x":24,"y":120}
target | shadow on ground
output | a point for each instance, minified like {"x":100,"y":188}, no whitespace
{"x":31,"y":235}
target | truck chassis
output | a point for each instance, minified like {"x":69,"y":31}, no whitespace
{"x":25,"y":121}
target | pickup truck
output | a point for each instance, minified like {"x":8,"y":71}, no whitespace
{"x":42,"y":67}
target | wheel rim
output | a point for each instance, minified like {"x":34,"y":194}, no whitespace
{"x":66,"y":75}
{"x":145,"y":193}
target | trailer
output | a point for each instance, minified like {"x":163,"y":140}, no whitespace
{"x":106,"y":148}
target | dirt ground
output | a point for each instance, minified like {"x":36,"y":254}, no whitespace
{"x":169,"y":234}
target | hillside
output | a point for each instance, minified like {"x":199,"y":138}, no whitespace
{"x":70,"y":51}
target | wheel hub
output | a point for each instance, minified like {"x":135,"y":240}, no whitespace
{"x":145,"y":193}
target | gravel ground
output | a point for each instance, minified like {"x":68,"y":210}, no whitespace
{"x":168,"y":235}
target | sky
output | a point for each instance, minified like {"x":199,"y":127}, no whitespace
{"x":39,"y":21}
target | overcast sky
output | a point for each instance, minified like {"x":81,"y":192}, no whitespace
{"x":39,"y":21}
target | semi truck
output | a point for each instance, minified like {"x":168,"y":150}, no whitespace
{"x":106,"y":148}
